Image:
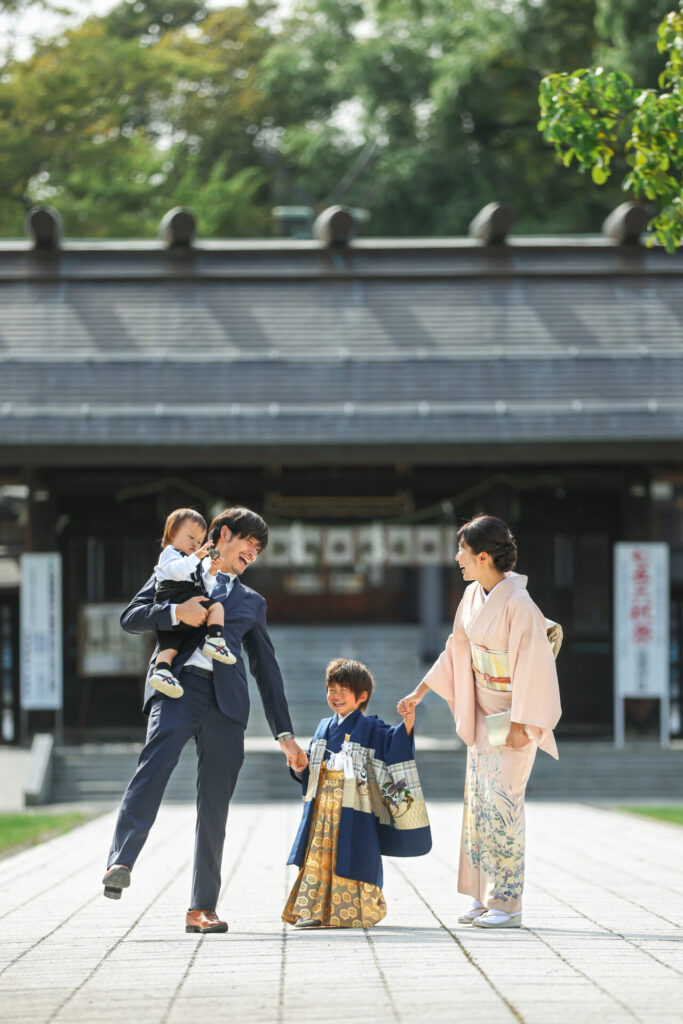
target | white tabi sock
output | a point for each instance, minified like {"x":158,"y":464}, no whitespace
{"x":498,"y":916}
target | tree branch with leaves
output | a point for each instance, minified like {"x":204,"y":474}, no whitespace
{"x":595,"y":117}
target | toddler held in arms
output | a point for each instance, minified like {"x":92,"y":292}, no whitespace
{"x":179,"y":577}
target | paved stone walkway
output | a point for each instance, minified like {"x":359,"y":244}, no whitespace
{"x":602,"y":942}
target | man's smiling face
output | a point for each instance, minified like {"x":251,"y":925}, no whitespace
{"x":237,"y":553}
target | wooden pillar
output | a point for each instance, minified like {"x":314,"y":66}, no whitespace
{"x":431,"y":610}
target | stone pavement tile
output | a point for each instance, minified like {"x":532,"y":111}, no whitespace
{"x":642,"y":883}
{"x":595,"y":948}
{"x":154,"y":911}
{"x":566,"y":1013}
{"x":590,"y":931}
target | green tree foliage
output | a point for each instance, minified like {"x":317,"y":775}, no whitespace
{"x":150,"y":19}
{"x":127,"y":115}
{"x":421,"y":111}
{"x":424,"y":112}
{"x":78,"y":131}
{"x":627,"y":30}
{"x":14,"y":6}
{"x":594,"y":116}
{"x":214,"y":116}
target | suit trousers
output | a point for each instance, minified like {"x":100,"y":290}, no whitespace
{"x":220,"y":753}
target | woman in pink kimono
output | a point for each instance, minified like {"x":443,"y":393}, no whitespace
{"x":498,"y":659}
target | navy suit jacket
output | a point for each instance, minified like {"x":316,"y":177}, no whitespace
{"x":245,"y":625}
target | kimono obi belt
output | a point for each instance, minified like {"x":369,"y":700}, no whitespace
{"x":492,"y":668}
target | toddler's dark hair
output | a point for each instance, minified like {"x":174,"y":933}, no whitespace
{"x":176,"y":519}
{"x":353,"y":675}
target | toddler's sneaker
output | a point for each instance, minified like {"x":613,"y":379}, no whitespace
{"x":214,"y":647}
{"x":165,"y":682}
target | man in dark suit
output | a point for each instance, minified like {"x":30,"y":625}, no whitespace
{"x":213,"y":709}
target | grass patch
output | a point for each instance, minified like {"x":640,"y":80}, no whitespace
{"x":27,"y":829}
{"x":674,"y":815}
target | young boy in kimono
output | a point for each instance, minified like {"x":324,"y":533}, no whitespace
{"x":362,"y":799}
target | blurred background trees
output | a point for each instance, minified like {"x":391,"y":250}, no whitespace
{"x":420,"y":111}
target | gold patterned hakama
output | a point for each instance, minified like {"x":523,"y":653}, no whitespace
{"x":319,"y":894}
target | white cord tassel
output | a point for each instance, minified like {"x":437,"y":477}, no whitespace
{"x":342,"y":760}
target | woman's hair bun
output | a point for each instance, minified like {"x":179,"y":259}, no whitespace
{"x":490,"y":534}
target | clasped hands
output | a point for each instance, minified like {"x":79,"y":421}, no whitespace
{"x":192,"y":612}
{"x":517,"y":737}
{"x":296,"y":757}
{"x":406,"y":706}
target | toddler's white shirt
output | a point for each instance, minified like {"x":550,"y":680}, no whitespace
{"x":174,"y":565}
{"x":197,"y":658}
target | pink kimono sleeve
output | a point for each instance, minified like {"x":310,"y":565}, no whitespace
{"x":440,"y":676}
{"x":451,"y":677}
{"x":535,"y":689}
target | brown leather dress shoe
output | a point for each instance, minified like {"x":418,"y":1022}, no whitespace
{"x":204,"y":921}
{"x":116,"y":878}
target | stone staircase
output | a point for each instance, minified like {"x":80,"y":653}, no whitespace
{"x":391,"y":652}
{"x":586,"y":770}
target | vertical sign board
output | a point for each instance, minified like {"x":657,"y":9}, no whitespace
{"x":641,"y":628}
{"x":41,"y":632}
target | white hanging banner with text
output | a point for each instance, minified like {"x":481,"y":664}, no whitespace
{"x":41,"y":631}
{"x":641,"y":619}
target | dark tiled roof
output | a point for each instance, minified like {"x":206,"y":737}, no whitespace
{"x":279,"y":343}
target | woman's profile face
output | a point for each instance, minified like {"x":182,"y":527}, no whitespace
{"x":470,"y":564}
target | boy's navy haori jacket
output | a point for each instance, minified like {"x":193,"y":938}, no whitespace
{"x":383,"y":809}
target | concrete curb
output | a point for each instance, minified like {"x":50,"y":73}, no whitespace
{"x":39,"y":781}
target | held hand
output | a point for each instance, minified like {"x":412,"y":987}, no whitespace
{"x":296,"y":757}
{"x":192,"y":612}
{"x":411,"y":699}
{"x":406,"y":710}
{"x":517,"y":739}
{"x":301,"y":762}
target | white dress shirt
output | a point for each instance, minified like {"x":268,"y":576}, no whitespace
{"x":198,"y":659}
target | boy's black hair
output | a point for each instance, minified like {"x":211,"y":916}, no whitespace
{"x":242,"y":522}
{"x":354,"y":675}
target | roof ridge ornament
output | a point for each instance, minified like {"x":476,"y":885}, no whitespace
{"x":177,"y":228}
{"x":626,"y":223}
{"x":492,"y":224}
{"x":45,"y":228}
{"x":336,"y":226}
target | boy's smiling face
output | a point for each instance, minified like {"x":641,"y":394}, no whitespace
{"x":342,"y":700}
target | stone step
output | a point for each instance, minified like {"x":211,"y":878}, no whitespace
{"x":584,"y":772}
{"x":391,"y":652}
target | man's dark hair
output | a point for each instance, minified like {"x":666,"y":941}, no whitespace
{"x":242,"y":522}
{"x":353,"y":675}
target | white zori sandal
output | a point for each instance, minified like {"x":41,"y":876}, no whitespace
{"x":498,"y":919}
{"x":475,"y":911}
